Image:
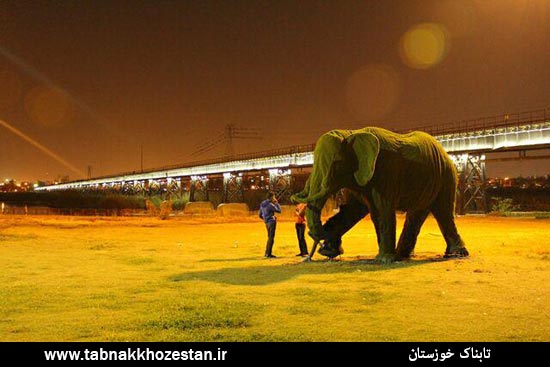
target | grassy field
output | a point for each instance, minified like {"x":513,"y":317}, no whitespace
{"x":142,"y":279}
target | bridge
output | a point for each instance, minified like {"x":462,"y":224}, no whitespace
{"x":242,"y":177}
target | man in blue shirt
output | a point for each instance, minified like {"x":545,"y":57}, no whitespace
{"x":268,"y":208}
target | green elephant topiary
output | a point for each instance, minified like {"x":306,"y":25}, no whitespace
{"x":383,"y":172}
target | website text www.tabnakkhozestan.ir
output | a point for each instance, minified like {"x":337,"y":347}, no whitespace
{"x":135,"y":354}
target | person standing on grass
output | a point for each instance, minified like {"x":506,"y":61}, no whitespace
{"x":301,"y":228}
{"x":268,"y":208}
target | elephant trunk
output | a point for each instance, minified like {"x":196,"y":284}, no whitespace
{"x":320,"y":184}
{"x":313,"y":216}
{"x":315,"y":195}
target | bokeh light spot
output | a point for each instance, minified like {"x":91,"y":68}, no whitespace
{"x":424,"y":45}
{"x":373,"y":91}
{"x":50,"y":107}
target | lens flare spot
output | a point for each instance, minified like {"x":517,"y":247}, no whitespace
{"x":10,"y":89}
{"x":373,"y":91}
{"x":50,"y":107}
{"x":424,"y":45}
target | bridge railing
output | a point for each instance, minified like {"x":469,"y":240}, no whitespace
{"x":237,"y":157}
{"x":487,"y":123}
{"x":506,"y":120}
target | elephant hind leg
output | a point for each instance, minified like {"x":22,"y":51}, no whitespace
{"x":443,"y":211}
{"x":407,"y":241}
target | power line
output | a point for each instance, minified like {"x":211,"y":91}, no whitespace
{"x":227,"y":137}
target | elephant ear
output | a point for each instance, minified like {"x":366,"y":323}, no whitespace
{"x":366,"y":147}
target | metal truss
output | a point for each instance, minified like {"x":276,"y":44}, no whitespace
{"x":199,"y":188}
{"x":280,"y":182}
{"x":471,"y":197}
{"x":233,"y":191}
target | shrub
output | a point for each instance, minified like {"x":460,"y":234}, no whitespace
{"x":503,"y":206}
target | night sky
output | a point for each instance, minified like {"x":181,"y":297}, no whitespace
{"x":93,"y":81}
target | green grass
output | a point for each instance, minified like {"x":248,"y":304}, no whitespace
{"x":124,"y":279}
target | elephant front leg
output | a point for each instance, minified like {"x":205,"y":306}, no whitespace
{"x":385,"y":224}
{"x":339,"y":224}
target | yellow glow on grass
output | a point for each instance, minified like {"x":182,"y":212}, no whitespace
{"x":142,"y":279}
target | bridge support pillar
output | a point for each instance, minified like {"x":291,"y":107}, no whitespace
{"x":127,"y":187}
{"x":471,"y":196}
{"x":139,"y":187}
{"x":153,"y":187}
{"x":280,"y":182}
{"x":233,"y":191}
{"x":174,"y":187}
{"x":199,"y":188}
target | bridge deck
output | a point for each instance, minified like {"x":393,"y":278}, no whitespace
{"x":514,"y":132}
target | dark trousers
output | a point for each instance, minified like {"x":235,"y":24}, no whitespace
{"x":270,"y":226}
{"x":300,"y":233}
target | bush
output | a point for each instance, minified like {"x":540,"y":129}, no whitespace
{"x":74,"y":200}
{"x":503,"y":206}
{"x":179,"y":203}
